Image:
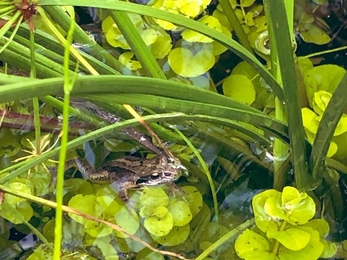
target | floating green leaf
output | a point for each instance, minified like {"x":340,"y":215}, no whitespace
{"x":240,"y":88}
{"x":19,"y":184}
{"x":162,"y":46}
{"x":324,"y":77}
{"x":16,"y":213}
{"x":262,"y":220}
{"x":274,"y":210}
{"x":312,"y":33}
{"x":159,"y":226}
{"x":107,"y":249}
{"x":194,"y":199}
{"x":126,"y":59}
{"x":180,"y":212}
{"x":292,"y":238}
{"x":42,"y":179}
{"x":291,"y":198}
{"x":320,"y":101}
{"x":187,"y":64}
{"x":147,"y":254}
{"x":83,"y":203}
{"x":312,"y":251}
{"x":192,"y":36}
{"x":330,"y":249}
{"x":176,"y":236}
{"x":249,"y":241}
{"x":153,"y":197}
{"x":96,"y":229}
{"x":311,"y":121}
{"x":320,"y":225}
{"x":129,"y":221}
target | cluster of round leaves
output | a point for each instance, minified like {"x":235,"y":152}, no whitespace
{"x":162,"y":218}
{"x":188,"y":8}
{"x":167,"y":220}
{"x":321,"y":82}
{"x":243,"y":83}
{"x":154,"y":37}
{"x":284,"y":229}
{"x":253,"y":21}
{"x":192,"y":56}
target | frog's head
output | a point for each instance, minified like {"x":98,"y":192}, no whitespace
{"x":178,"y":166}
{"x":168,"y":170}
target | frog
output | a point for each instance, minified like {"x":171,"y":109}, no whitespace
{"x":131,"y":173}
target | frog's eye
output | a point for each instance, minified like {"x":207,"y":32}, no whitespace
{"x":155,"y":176}
{"x":167,"y":174}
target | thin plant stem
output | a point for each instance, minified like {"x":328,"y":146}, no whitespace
{"x":225,"y":238}
{"x":205,"y":169}
{"x":68,"y":85}
{"x":35,"y":99}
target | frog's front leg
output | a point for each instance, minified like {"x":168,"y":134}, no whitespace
{"x":122,"y":190}
{"x":89,"y":173}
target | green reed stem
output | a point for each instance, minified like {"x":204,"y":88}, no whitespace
{"x":68,"y":85}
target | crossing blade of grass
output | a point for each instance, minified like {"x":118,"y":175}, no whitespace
{"x":258,"y":119}
{"x":326,"y":128}
{"x":282,"y":37}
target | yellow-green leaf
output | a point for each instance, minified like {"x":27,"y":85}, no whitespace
{"x":176,"y":236}
{"x":180,"y":211}
{"x":249,"y":241}
{"x":240,"y":88}
{"x":183,"y":62}
{"x":292,"y":238}
{"x":159,"y":226}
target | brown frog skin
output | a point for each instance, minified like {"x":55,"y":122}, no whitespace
{"x":131,"y":172}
